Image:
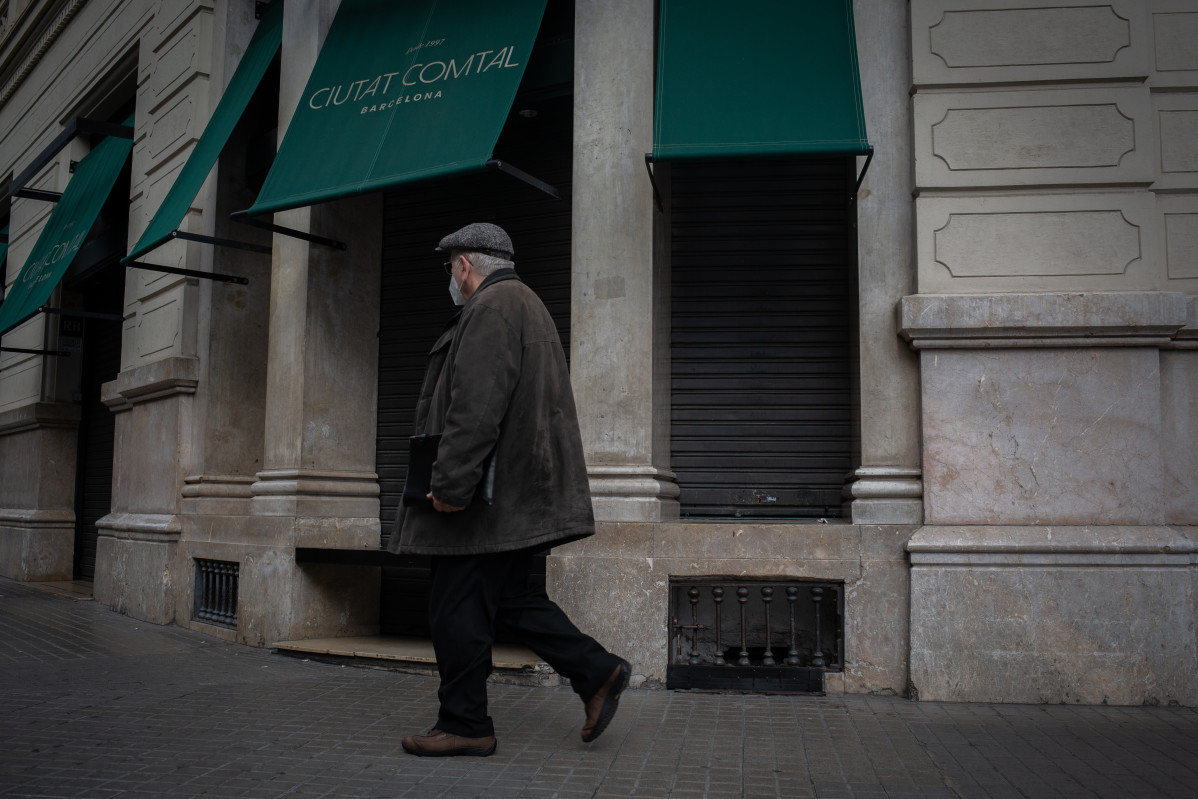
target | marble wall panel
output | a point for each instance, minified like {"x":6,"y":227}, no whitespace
{"x":1016,"y":41}
{"x":1039,"y":242}
{"x":22,"y":378}
{"x":1179,"y":425}
{"x":1174,"y":26}
{"x":176,"y":126}
{"x":182,"y":55}
{"x":1040,"y":137}
{"x":1181,"y":243}
{"x":1177,"y":131}
{"x":1026,"y":436}
{"x":1178,"y":214}
{"x":158,"y":326}
{"x":1089,"y":635}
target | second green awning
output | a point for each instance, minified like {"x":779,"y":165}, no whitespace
{"x":65,"y":230}
{"x":401,"y":92}
{"x":253,"y":65}
{"x":757,"y":78}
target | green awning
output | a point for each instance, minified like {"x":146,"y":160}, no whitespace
{"x":757,"y":78}
{"x":401,"y":92}
{"x":65,"y":230}
{"x":253,"y":65}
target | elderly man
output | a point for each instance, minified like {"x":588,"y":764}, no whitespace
{"x":508,"y":480}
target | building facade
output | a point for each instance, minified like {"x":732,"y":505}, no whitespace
{"x":962,"y":397}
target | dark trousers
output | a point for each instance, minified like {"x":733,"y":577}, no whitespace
{"x":468,"y":595}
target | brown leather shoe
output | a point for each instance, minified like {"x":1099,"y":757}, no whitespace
{"x":436,"y":743}
{"x":602,"y":706}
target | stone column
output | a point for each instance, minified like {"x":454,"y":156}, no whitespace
{"x":619,"y":344}
{"x":322,"y":368}
{"x":887,"y":488}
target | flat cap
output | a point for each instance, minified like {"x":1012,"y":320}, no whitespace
{"x":479,"y":237}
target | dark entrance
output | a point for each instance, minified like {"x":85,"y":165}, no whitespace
{"x":95,"y":285}
{"x":762,"y":311}
{"x":101,"y":361}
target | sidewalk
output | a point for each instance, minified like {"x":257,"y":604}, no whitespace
{"x":94,"y":704}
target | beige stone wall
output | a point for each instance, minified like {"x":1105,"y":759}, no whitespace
{"x":1056,"y":170}
{"x":87,"y":55}
{"x":616,"y":586}
{"x":1056,"y":145}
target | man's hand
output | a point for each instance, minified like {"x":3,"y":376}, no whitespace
{"x":440,"y":506}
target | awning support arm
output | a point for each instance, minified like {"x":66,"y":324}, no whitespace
{"x":653,"y":182}
{"x":23,"y":351}
{"x":521,"y":175}
{"x":77,"y":126}
{"x":174,"y":270}
{"x":38,"y":194}
{"x":73,"y":314}
{"x":246,"y":219}
{"x":861,"y":178}
{"x":219,"y":242}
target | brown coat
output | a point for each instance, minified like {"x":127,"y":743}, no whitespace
{"x":497,"y":380}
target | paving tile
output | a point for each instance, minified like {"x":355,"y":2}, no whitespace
{"x":95,"y":704}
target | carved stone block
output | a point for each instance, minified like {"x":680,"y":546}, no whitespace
{"x":1055,"y":436}
{"x":1174,"y":59}
{"x":1016,"y":41}
{"x":1038,"y":242}
{"x":965,"y":139}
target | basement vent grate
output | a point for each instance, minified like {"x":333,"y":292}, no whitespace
{"x":761,"y":635}
{"x":216,"y":592}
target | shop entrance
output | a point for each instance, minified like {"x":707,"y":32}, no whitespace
{"x":101,"y":291}
{"x":93,"y":301}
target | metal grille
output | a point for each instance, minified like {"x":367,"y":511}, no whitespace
{"x":758,"y":635}
{"x":216,"y":592}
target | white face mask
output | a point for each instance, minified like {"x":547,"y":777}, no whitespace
{"x":455,"y":292}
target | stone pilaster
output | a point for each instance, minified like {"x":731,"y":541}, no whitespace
{"x":619,"y":338}
{"x":37,"y":471}
{"x":887,"y":488}
{"x":316,"y":484}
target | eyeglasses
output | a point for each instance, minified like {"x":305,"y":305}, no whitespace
{"x":449,"y":266}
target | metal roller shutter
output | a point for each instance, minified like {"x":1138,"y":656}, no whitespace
{"x":762,"y":311}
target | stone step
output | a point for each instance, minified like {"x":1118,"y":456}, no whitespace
{"x":513,"y":664}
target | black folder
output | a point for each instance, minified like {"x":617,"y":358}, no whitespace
{"x":422,"y":452}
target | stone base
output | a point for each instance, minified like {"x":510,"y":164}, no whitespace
{"x":38,"y":546}
{"x":1053,"y":615}
{"x":278,"y":599}
{"x":885,"y":511}
{"x":135,"y":556}
{"x":615,"y":585}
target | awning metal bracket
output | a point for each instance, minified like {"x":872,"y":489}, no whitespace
{"x":246,"y":219}
{"x":653,"y":182}
{"x":174,"y":270}
{"x":869,"y":157}
{"x":521,"y":175}
{"x":77,"y":126}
